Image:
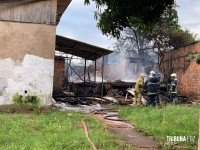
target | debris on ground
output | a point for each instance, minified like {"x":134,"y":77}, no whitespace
{"x":78,"y":108}
{"x":119,"y":92}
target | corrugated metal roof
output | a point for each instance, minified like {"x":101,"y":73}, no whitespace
{"x":61,"y":7}
{"x":80,"y":49}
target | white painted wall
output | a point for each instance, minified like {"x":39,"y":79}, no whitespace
{"x":34,"y":74}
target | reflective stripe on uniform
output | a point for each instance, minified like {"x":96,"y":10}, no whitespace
{"x":151,"y":83}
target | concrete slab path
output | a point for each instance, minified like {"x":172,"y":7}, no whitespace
{"x":128,"y":134}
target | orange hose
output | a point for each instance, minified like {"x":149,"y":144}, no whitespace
{"x":87,"y":135}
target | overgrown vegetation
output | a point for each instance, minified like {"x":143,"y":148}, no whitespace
{"x":54,"y":131}
{"x":31,"y":100}
{"x":195,"y":57}
{"x":160,"y":123}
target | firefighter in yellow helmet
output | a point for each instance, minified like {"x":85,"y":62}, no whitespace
{"x":139,"y":90}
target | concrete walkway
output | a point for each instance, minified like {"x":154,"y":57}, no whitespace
{"x":128,"y":134}
{"x":135,"y":138}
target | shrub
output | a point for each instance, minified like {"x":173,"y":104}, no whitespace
{"x":198,"y":59}
{"x":190,"y":57}
{"x":31,"y":100}
{"x":195,"y":57}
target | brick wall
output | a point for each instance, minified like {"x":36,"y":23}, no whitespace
{"x":59,"y":66}
{"x":188,"y":73}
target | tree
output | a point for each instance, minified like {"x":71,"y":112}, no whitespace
{"x":119,"y":14}
{"x":135,"y":45}
{"x":151,"y":24}
{"x":164,"y":36}
{"x":167,"y":34}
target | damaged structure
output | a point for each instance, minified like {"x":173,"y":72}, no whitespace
{"x":27,"y":47}
{"x":188,"y":72}
{"x":70,"y":48}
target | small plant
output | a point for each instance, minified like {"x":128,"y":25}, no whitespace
{"x":17,"y":99}
{"x":195,"y":57}
{"x":31,"y":100}
{"x":190,"y":57}
{"x":198,"y":59}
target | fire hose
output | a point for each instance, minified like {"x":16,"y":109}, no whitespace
{"x":87,"y":135}
{"x":86,"y":132}
{"x":113,"y":117}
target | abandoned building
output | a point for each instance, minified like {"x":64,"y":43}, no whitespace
{"x":75,"y":48}
{"x":27,"y":47}
{"x":188,"y":72}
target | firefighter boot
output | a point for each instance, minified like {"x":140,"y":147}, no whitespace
{"x":134,"y":101}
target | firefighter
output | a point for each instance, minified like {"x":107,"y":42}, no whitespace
{"x":151,"y":86}
{"x":139,"y":90}
{"x":173,"y":87}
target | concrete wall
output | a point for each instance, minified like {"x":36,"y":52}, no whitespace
{"x":188,"y":73}
{"x":26,"y":60}
{"x":59,"y":67}
{"x":19,"y":39}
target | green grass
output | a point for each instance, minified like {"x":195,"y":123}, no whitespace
{"x":179,"y":120}
{"x":54,"y":131}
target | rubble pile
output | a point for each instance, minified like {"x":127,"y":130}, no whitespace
{"x":91,"y":94}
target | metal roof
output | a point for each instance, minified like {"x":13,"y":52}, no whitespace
{"x":61,"y":7}
{"x":80,"y":49}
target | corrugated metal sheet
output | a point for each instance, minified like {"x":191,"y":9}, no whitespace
{"x":80,"y":49}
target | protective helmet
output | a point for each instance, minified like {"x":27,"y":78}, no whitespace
{"x":152,"y":73}
{"x":173,"y":75}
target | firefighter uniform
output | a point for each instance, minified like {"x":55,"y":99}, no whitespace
{"x":152,"y":85}
{"x":173,"y":87}
{"x":139,"y":90}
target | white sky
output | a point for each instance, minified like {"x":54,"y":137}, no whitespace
{"x":78,"y":22}
{"x":189,"y":15}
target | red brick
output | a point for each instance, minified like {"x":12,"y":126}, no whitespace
{"x":189,"y":78}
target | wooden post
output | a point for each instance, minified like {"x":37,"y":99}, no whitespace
{"x":84,"y":70}
{"x":102,"y":71}
{"x":84,"y":75}
{"x":95,"y":65}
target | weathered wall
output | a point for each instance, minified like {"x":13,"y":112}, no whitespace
{"x":59,"y":66}
{"x":26,"y":60}
{"x":19,"y":39}
{"x":40,"y":11}
{"x":34,"y":74}
{"x":188,"y":73}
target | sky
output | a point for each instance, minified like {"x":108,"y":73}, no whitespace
{"x":78,"y":22}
